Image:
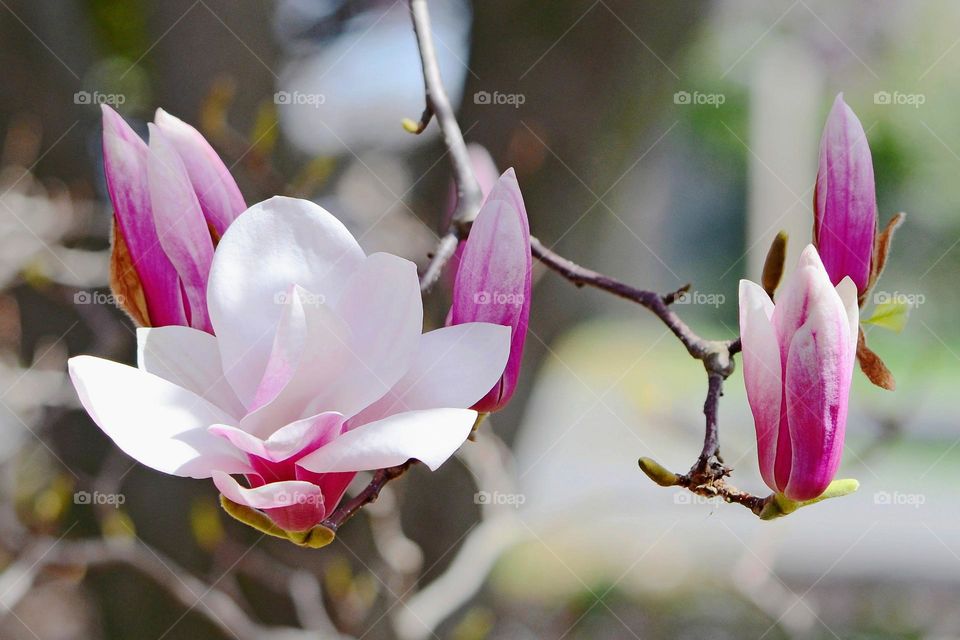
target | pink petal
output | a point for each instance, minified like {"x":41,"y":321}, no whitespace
{"x":293,"y":505}
{"x":125,"y":167}
{"x":846,"y":202}
{"x":494,"y":281}
{"x":295,"y":439}
{"x":216,"y":190}
{"x":818,"y":377}
{"x":182,"y":229}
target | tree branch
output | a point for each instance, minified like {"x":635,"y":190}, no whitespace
{"x":469,"y":196}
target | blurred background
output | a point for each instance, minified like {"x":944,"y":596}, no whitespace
{"x":663,"y":143}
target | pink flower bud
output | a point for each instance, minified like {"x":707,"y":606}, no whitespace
{"x":845,"y":203}
{"x":172,"y":199}
{"x":493,"y":280}
{"x":798,"y":360}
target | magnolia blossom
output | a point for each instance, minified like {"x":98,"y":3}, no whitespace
{"x":173,"y":199}
{"x":845,"y":204}
{"x":316,"y":369}
{"x":494,"y":281}
{"x":797,"y":366}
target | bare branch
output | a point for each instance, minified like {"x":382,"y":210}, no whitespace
{"x":469,"y":196}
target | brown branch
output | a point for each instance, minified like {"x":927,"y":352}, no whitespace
{"x":469,"y":196}
{"x":369,"y":493}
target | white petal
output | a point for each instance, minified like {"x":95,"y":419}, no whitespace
{"x":762,"y":372}
{"x":271,"y":246}
{"x":315,"y":348}
{"x":161,"y":425}
{"x":381,"y":304}
{"x":190,"y":359}
{"x":847,"y":291}
{"x":268,"y":496}
{"x":429,"y":436}
{"x":454,"y":367}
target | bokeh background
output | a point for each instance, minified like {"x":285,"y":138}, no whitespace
{"x":661,"y":142}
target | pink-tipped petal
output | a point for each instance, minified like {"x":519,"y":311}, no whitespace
{"x":761,"y":373}
{"x":294,"y":505}
{"x":430,"y":436}
{"x":159,"y":424}
{"x":180,"y":224}
{"x":846,"y":202}
{"x":494,"y":280}
{"x":293,"y":440}
{"x":220,"y":198}
{"x":125,"y":168}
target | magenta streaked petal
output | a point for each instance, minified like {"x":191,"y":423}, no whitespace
{"x":125,"y":167}
{"x":817,"y":390}
{"x":216,"y":190}
{"x":180,"y":224}
{"x":494,"y":280}
{"x":846,"y":202}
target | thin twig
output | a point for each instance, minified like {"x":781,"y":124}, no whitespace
{"x":369,"y":493}
{"x":469,"y":196}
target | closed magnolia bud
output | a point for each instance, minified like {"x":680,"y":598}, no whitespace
{"x":494,"y":280}
{"x":798,"y":360}
{"x":845,"y":204}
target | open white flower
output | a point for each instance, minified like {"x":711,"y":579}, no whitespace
{"x":317,"y":370}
